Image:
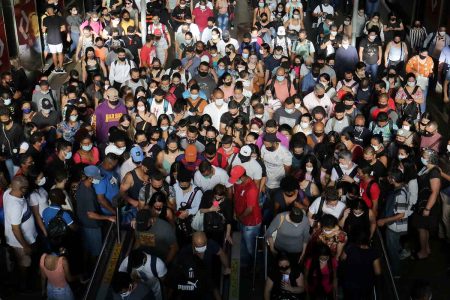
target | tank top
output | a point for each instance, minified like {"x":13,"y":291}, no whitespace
{"x":133,"y":192}
{"x":87,"y":42}
{"x":95,"y":68}
{"x":295,"y":27}
{"x":352,"y":222}
{"x":56,"y":277}
{"x":396,"y":54}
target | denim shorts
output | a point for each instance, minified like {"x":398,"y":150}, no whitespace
{"x":57,"y":293}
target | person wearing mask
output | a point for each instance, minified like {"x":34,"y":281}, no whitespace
{"x":107,"y":115}
{"x":20,"y":229}
{"x":318,"y":97}
{"x":339,"y":122}
{"x":53,"y":25}
{"x":368,"y":187}
{"x":44,"y":92}
{"x":247,"y":210}
{"x":108,"y":186}
{"x":119,"y":71}
{"x":285,"y":281}
{"x":89,"y":215}
{"x":397,"y":211}
{"x":11,"y":137}
{"x":431,"y":138}
{"x":206,"y":79}
{"x":370,"y":52}
{"x":124,"y":287}
{"x":347,"y":56}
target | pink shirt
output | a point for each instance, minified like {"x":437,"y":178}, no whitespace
{"x":97,"y":27}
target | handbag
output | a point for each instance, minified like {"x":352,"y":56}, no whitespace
{"x":275,"y":233}
{"x":197,"y":221}
{"x":184,"y":226}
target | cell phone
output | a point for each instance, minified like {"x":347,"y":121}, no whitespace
{"x":285,"y":277}
{"x":216,"y":203}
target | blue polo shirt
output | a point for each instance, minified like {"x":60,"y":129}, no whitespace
{"x":50,"y":212}
{"x":108,"y":186}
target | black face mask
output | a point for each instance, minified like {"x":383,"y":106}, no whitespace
{"x":315,"y":75}
{"x":122,"y":58}
{"x":184,"y":188}
{"x":382,"y":105}
{"x":422,"y":56}
{"x":320,"y":96}
{"x":227,"y":83}
{"x":270,"y":149}
{"x":202,"y":74}
{"x":82,"y":110}
{"x":210,"y":140}
{"x":143,"y":144}
{"x":391,"y":75}
{"x":114,"y":103}
{"x":348,"y":106}
{"x":347,"y":80}
{"x":136,"y":80}
{"x":199,"y":51}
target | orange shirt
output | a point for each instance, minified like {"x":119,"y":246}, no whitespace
{"x":415,"y":66}
{"x":101,"y":53}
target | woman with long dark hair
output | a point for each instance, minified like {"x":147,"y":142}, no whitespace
{"x":320,"y":274}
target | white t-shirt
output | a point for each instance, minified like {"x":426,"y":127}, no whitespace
{"x":220,"y":177}
{"x":39,"y":197}
{"x":275,"y":162}
{"x":158,"y":108}
{"x":16,"y":210}
{"x":334,"y":211}
{"x":252,"y":168}
{"x":182,"y":198}
{"x":215,"y":113}
{"x":326,"y":9}
{"x":335,"y":176}
{"x":310,"y":101}
{"x":126,"y":167}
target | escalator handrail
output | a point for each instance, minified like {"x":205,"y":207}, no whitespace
{"x":108,"y":236}
{"x":385,"y":256}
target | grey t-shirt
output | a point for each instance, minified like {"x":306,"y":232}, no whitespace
{"x":158,"y":238}
{"x":290,"y":236}
{"x":74,"y":23}
{"x":291,"y":119}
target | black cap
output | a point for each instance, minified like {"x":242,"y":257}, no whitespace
{"x":339,"y":108}
{"x":271,"y":138}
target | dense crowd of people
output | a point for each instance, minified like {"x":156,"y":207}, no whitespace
{"x":194,"y":134}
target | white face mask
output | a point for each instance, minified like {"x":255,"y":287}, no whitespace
{"x":327,"y":232}
{"x":400,"y":157}
{"x":406,"y":127}
{"x":219,"y":102}
{"x":7,"y":101}
{"x":298,"y":105}
{"x":309,"y":169}
{"x":42,"y":181}
{"x":141,"y":108}
{"x":95,"y":181}
{"x":424,"y":161}
{"x":345,"y":46}
{"x":259,"y":116}
{"x":333,"y":33}
{"x":304,"y":125}
{"x":448,"y":148}
{"x":376,"y":148}
{"x":342,"y":166}
{"x":200,"y":249}
{"x":441,"y":33}
{"x":202,"y":7}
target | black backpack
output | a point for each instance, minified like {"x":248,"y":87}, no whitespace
{"x":213,"y":222}
{"x":57,"y":227}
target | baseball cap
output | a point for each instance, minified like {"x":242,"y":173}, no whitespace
{"x":93,"y":171}
{"x":137,"y":155}
{"x":246,"y":151}
{"x":46,"y":104}
{"x":339,"y":108}
{"x":281,"y":30}
{"x":190,"y":153}
{"x":236,"y":173}
{"x":271,"y":138}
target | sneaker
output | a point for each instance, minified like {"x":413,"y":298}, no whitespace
{"x":67,"y":60}
{"x":61,"y":71}
{"x":405,"y":254}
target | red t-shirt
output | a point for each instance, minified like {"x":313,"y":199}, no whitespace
{"x":357,"y":153}
{"x":374,"y":192}
{"x":390,"y":106}
{"x":147,"y":54}
{"x":77,"y":158}
{"x":201,"y":17}
{"x":247,"y":195}
{"x":222,"y":152}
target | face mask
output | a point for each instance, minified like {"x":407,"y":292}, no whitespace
{"x":270,"y":149}
{"x":26,"y":110}
{"x":277,"y":56}
{"x":422,"y":56}
{"x":184,"y":188}
{"x":7,"y":102}
{"x":365,"y":89}
{"x":97,"y":181}
{"x":309,"y":169}
{"x":141,"y":108}
{"x":296,"y":17}
{"x":115,"y":22}
{"x":372,"y":38}
{"x":202,"y":7}
{"x":304,"y":125}
{"x":298,"y":106}
{"x":245,"y":55}
{"x":406,"y":127}
{"x":194,"y":96}
{"x":94,"y":19}
{"x":400,"y":157}
{"x":73,"y":118}
{"x":42,"y":181}
{"x":346,"y":22}
{"x":441,"y":33}
{"x":261,"y":52}
{"x":259,"y":116}
{"x":342,"y":166}
{"x":333,"y":33}
{"x":164,"y":128}
{"x":280,"y":77}
{"x":239,"y":181}
{"x":345,"y":46}
{"x":114,"y":103}
{"x":289,"y":110}
{"x":87,"y":148}
{"x":122,"y":58}
{"x":68,"y":155}
{"x":261,"y":4}
{"x":448,"y":148}
{"x":181,"y":134}
{"x":182,"y":6}
{"x":215,"y":36}
{"x":411,"y":84}
{"x":219,"y":102}
{"x":358,"y":214}
{"x":376,"y":148}
{"x":424,"y":161}
{"x":327,"y":232}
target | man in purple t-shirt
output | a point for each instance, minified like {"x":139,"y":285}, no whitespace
{"x":108,"y":114}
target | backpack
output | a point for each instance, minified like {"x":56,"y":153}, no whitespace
{"x":340,"y":173}
{"x":275,"y":43}
{"x":153,"y":261}
{"x":194,"y":108}
{"x":126,"y":60}
{"x":272,"y":85}
{"x":170,"y":96}
{"x":213,"y":222}
{"x":57,"y":227}
{"x":391,"y":124}
{"x":165,"y":104}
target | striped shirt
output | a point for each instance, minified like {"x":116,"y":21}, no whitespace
{"x":417,"y":36}
{"x":401,"y":206}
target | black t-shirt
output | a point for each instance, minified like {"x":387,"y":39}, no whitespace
{"x":227,"y":118}
{"x":359,"y":273}
{"x":181,"y":13}
{"x":53,"y":25}
{"x":133,"y":43}
{"x":370,"y":52}
{"x":277,"y":292}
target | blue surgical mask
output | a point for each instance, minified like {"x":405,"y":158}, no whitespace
{"x":95,"y":181}
{"x":424,"y":161}
{"x":68,"y":155}
{"x":220,"y":72}
{"x":280,"y":78}
{"x":194,"y":96}
{"x":245,"y":55}
{"x":87,"y":148}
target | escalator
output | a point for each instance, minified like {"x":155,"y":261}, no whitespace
{"x":116,"y":247}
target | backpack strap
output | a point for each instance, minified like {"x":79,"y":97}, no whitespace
{"x":146,"y":193}
{"x":339,"y":171}
{"x":191,"y":197}
{"x":153,"y":260}
{"x":50,"y":91}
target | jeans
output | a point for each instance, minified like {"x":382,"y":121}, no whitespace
{"x":74,"y":36}
{"x":57,"y":293}
{"x":222,"y":21}
{"x":372,"y":70}
{"x":92,"y":240}
{"x":12,"y":169}
{"x":423,"y":105}
{"x":248,"y":242}
{"x":371,"y":7}
{"x":393,"y":248}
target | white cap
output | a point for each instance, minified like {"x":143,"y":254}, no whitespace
{"x":281,"y":30}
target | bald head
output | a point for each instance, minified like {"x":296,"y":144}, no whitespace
{"x":318,"y":127}
{"x":199,"y":239}
{"x":111,"y":94}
